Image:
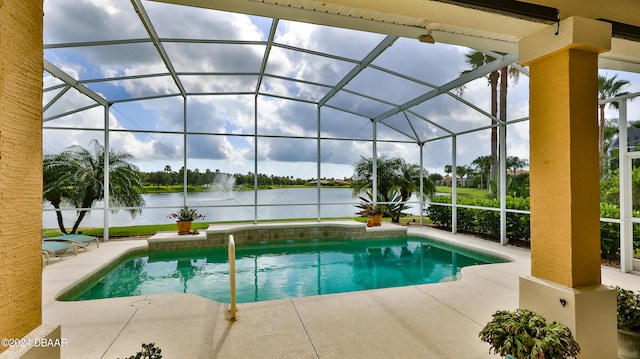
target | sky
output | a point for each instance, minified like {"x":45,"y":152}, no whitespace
{"x":222,"y":128}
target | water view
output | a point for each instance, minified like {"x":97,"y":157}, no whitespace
{"x":226,"y":205}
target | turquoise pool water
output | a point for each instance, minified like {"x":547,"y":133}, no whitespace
{"x":288,"y":269}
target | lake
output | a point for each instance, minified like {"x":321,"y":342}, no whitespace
{"x":219,"y":205}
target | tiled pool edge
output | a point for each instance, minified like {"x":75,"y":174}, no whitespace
{"x":217,"y":235}
{"x":101,"y":269}
{"x":471,"y":247}
{"x":338,"y":229}
{"x":372,"y":248}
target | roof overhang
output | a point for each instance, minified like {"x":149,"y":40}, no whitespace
{"x":495,"y":25}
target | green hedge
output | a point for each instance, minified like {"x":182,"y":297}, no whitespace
{"x":610,"y":232}
{"x":482,"y":221}
{"x":487,"y":222}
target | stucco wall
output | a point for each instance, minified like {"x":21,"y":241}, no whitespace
{"x":565,"y":230}
{"x":20,"y":166}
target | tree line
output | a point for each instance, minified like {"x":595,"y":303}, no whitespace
{"x":478,"y":175}
{"x":168,"y":177}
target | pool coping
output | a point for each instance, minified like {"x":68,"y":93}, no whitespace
{"x":102,"y":269}
{"x":171,"y":238}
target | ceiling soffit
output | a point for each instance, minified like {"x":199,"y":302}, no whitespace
{"x":448,"y":23}
{"x":455,"y":22}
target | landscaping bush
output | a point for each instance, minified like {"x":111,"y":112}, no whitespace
{"x":518,"y":226}
{"x":487,"y":222}
{"x":481,"y":221}
{"x":467,"y":219}
{"x":440,"y":215}
{"x":609,"y":232}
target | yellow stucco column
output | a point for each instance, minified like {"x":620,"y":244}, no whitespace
{"x":21,"y":177}
{"x":565,"y":230}
{"x":565,"y":227}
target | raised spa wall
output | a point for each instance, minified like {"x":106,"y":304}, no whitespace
{"x":218,"y":235}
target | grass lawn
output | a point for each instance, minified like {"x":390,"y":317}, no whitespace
{"x":173,"y":189}
{"x":465,"y":192}
{"x":148,"y":230}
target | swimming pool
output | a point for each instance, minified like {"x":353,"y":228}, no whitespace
{"x":284,"y":269}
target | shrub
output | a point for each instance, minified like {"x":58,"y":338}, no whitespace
{"x":628,"y":309}
{"x":439,"y":215}
{"x":487,"y":222}
{"x":525,"y":334}
{"x":149,"y":351}
{"x":467,"y":219}
{"x":480,"y":221}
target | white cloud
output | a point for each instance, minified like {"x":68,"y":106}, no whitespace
{"x":88,"y":20}
{"x":196,"y":23}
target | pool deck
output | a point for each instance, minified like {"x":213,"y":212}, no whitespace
{"x":422,"y":321}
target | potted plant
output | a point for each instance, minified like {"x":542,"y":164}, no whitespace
{"x":628,"y":309}
{"x":184,"y":217}
{"x":375,"y":212}
{"x":524,"y":334}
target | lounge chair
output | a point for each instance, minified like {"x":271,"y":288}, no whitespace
{"x":53,"y":248}
{"x":80,"y":240}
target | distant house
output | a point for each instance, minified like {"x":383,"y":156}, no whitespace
{"x":517,"y":172}
{"x":633,"y":140}
{"x":331,"y":182}
{"x":445,"y":181}
{"x":340,"y":182}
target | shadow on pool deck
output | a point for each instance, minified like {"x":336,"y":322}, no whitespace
{"x":427,"y":321}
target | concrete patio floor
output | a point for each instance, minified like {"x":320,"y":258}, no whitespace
{"x":423,"y":321}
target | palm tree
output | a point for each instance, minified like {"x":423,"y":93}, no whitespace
{"x":506,"y":73}
{"x":482,"y":165}
{"x":463,"y":172}
{"x":448,"y":169}
{"x":55,"y":188}
{"x":409,"y":181}
{"x":394,"y":176}
{"x":607,"y":88}
{"x":387,"y":172}
{"x":514,"y":163}
{"x":167,"y":171}
{"x":476,"y":60}
{"x":81,"y":173}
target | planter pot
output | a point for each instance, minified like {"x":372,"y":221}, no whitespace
{"x":184,"y":227}
{"x":628,"y":344}
{"x":376,"y":220}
